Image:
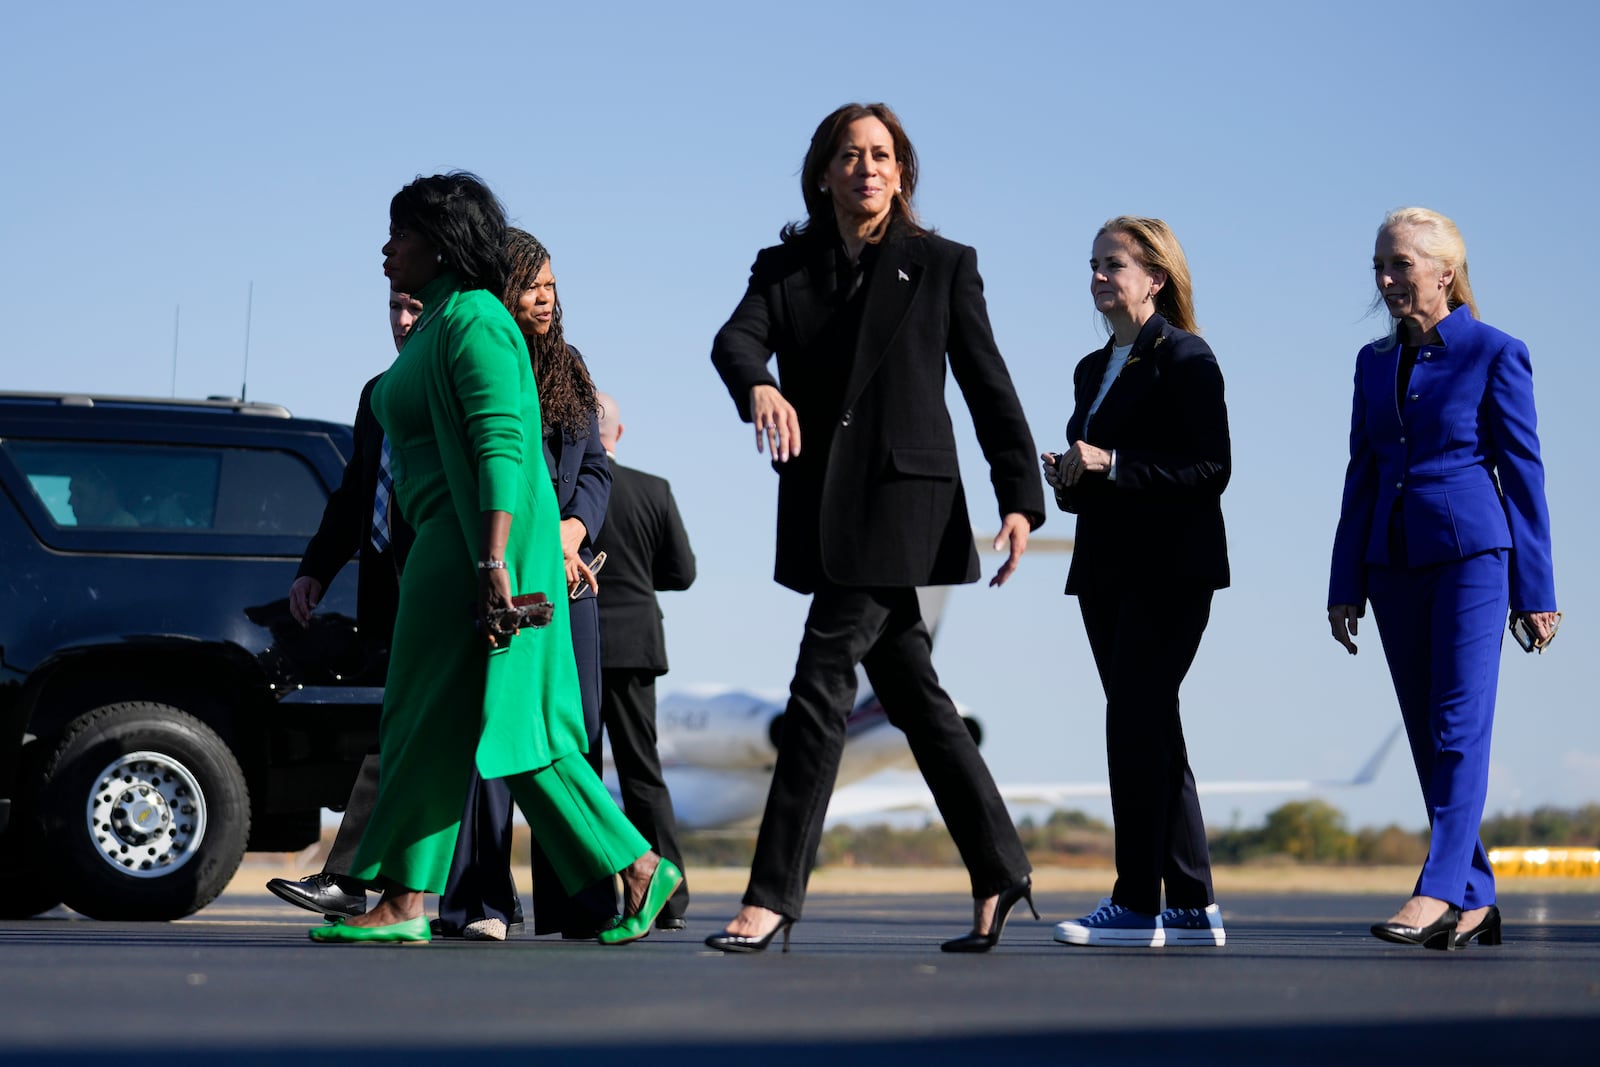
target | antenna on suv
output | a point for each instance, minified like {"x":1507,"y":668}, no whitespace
{"x":176,"y":310}
{"x":249,"y":303}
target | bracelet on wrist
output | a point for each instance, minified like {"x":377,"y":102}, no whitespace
{"x":491,"y":564}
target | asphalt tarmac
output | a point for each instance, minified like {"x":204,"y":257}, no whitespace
{"x":1300,"y":982}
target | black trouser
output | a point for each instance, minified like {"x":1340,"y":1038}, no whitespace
{"x":357,"y":810}
{"x":481,"y":886}
{"x":1143,"y":643}
{"x":628,"y":711}
{"x":882,"y":630}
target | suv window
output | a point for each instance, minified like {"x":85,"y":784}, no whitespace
{"x":167,"y":489}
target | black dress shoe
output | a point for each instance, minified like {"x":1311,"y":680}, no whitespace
{"x":1439,"y":934}
{"x":330,"y":894}
{"x":1486,"y":932}
{"x":672,"y":922}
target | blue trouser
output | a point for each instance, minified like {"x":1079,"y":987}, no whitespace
{"x":1441,"y":627}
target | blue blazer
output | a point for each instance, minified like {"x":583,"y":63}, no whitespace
{"x":1461,"y":459}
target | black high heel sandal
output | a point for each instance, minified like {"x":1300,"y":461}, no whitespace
{"x":726,"y":942}
{"x":1439,"y":934}
{"x":1486,"y":932}
{"x":1023,"y":890}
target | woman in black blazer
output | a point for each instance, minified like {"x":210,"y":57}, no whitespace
{"x":863,"y":307}
{"x":1148,"y":462}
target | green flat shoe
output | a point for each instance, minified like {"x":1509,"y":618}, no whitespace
{"x":410,"y":932}
{"x":663,"y":883}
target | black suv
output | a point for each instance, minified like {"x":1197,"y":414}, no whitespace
{"x":160,"y":711}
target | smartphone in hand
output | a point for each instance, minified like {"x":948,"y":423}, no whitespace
{"x":1523,"y":633}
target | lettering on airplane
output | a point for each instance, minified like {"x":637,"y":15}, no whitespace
{"x":693,"y":720}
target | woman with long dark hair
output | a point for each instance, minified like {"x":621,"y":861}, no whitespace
{"x":462,"y":416}
{"x":867,"y":311}
{"x":482,"y":903}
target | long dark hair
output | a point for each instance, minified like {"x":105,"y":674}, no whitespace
{"x":825,"y":142}
{"x":566,"y":392}
{"x":467,"y":222}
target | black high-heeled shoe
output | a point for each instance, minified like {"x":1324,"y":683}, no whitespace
{"x":1439,"y":934}
{"x":1486,"y":932}
{"x":726,"y":942}
{"x":1023,"y":890}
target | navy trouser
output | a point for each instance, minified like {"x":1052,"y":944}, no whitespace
{"x":1441,"y":628}
{"x":1144,"y":642}
{"x":481,"y":885}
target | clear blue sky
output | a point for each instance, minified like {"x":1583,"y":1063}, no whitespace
{"x":166,"y":155}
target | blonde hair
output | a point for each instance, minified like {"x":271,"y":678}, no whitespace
{"x":1159,"y":250}
{"x":1437,"y":237}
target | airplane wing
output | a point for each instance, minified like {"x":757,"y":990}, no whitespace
{"x":867,"y":798}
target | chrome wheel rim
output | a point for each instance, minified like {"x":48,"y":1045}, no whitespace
{"x":146,"y":815}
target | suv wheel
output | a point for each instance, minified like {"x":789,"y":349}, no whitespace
{"x":146,"y":813}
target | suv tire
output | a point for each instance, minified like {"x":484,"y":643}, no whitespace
{"x":146,"y":813}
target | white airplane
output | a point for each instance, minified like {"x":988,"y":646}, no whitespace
{"x":718,"y":747}
{"x":873,"y":797}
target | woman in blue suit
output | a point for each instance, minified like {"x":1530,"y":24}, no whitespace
{"x":1443,"y":527}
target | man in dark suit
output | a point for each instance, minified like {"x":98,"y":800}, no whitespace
{"x":647,"y":551}
{"x":361,"y":515}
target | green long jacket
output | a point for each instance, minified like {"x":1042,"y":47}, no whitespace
{"x":485,"y":409}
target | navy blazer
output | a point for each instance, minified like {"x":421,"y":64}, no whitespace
{"x":1160,"y":522}
{"x":1461,"y":460}
{"x":581,"y":477}
{"x":875,"y":496}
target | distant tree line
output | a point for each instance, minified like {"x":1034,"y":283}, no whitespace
{"x":1301,"y":831}
{"x":1313,"y":831}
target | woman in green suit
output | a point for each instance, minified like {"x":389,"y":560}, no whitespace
{"x":461,"y":413}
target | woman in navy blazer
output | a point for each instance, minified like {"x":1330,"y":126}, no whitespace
{"x":1149,"y":459}
{"x":1443,"y":527}
{"x":482,"y":904}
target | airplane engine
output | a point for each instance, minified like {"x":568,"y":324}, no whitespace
{"x":974,"y":727}
{"x":724,"y":730}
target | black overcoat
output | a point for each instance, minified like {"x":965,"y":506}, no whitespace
{"x":875,"y":497}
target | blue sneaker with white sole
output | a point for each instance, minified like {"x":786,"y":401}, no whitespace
{"x":1194,"y":926}
{"x":1112,"y":924}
